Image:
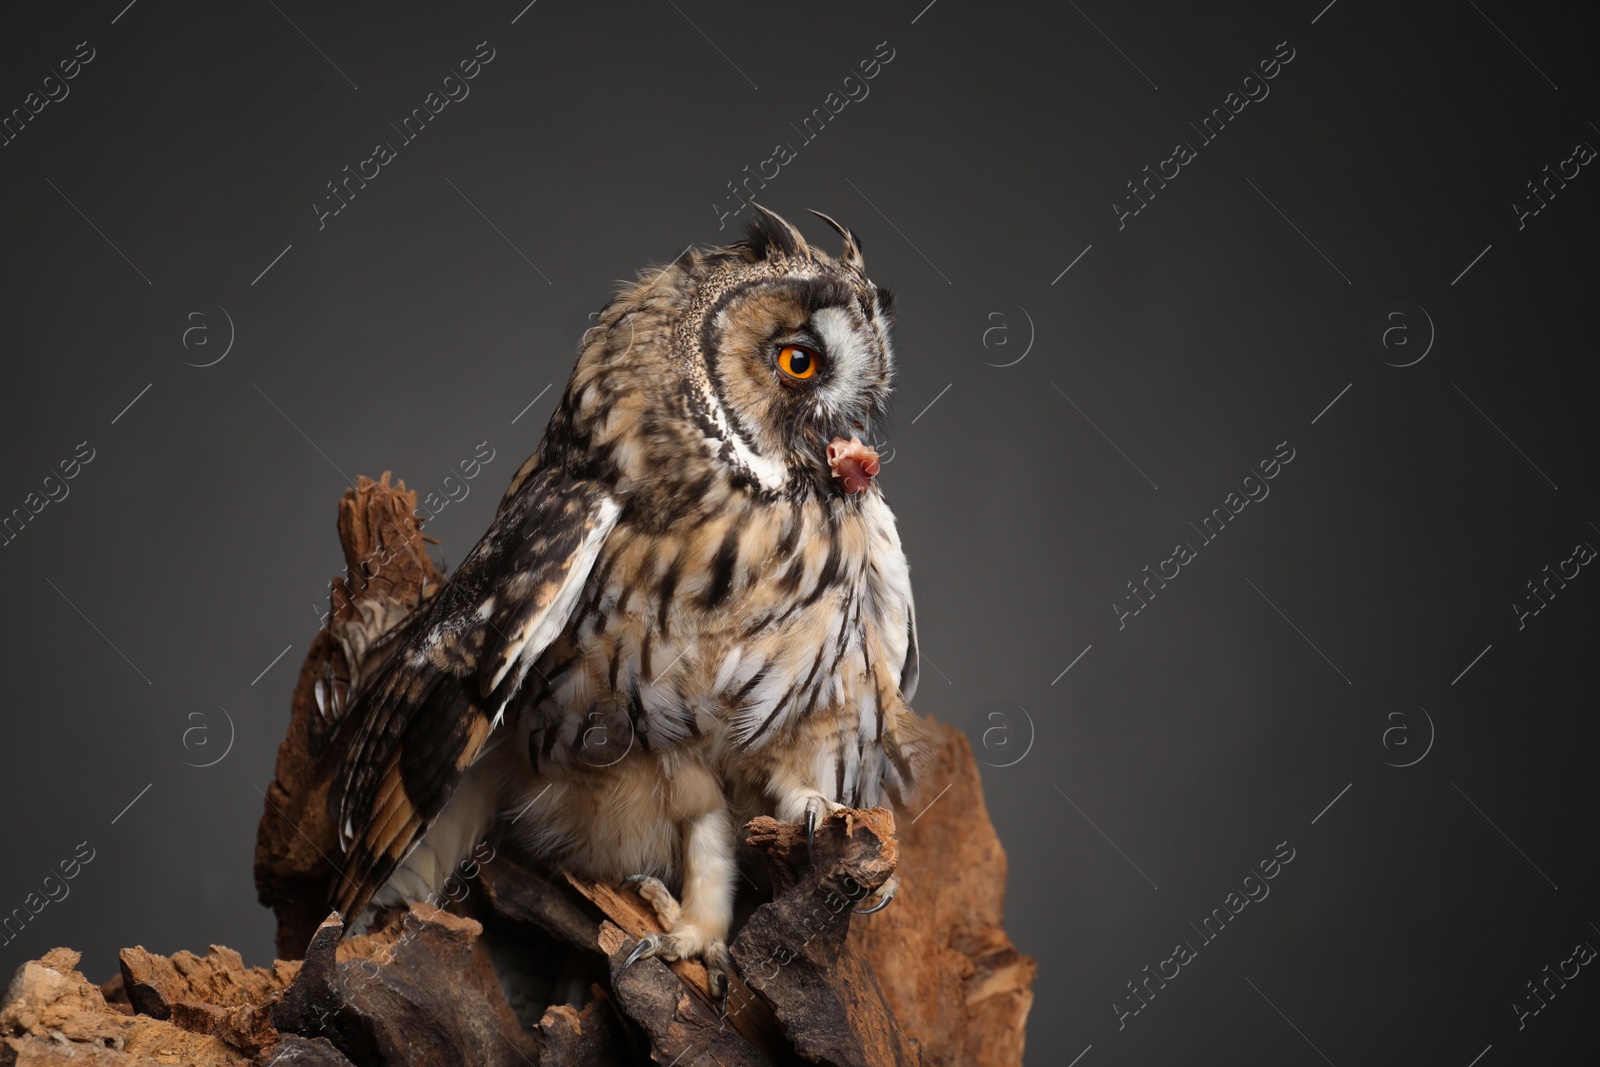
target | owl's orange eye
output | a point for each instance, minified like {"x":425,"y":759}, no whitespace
{"x":798,"y":362}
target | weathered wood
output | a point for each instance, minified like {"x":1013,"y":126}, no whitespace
{"x":932,"y":979}
{"x":52,"y":1015}
{"x":214,"y":994}
{"x":387,"y":573}
{"x":675,"y":1016}
{"x":628,"y":913}
{"x":949,"y":972}
{"x":421,"y":991}
{"x":525,"y":897}
{"x":580,"y":1037}
{"x":302,"y":1052}
{"x":792,"y":952}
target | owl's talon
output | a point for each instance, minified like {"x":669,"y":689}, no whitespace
{"x":682,"y":944}
{"x":813,"y":808}
{"x":648,"y":946}
{"x":882,"y":895}
{"x":717,"y":961}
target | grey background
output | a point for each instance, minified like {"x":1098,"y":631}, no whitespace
{"x":1224,"y":719}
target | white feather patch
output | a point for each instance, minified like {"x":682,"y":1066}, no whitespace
{"x":536,"y":636}
{"x":847,"y":349}
{"x":769,"y":472}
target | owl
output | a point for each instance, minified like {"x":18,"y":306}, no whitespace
{"x":691,"y":608}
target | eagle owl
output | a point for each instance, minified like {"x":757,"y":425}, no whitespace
{"x":692,"y":607}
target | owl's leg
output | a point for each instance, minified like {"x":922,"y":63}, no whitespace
{"x":698,"y":927}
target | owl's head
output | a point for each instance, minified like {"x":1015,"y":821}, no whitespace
{"x":756,"y":355}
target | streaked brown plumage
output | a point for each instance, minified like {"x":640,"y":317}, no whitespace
{"x":679,"y":619}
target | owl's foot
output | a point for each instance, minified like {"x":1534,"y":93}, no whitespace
{"x":818,"y":807}
{"x":688,"y":942}
{"x":881,"y":896}
{"x":659,"y":897}
{"x":682,"y":940}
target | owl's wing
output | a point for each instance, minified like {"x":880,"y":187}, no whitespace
{"x":422,"y":721}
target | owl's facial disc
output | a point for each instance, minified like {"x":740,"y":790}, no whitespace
{"x":838,"y":406}
{"x":802,"y":367}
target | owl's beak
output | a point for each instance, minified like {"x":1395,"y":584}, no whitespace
{"x":853,"y":463}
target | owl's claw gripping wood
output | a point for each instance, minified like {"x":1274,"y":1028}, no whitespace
{"x":813,"y":811}
{"x":683,"y":945}
{"x":717,"y":961}
{"x":882,"y":895}
{"x":681,"y":941}
{"x":649,"y":945}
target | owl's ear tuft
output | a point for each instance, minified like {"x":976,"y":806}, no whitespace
{"x":852,"y":243}
{"x":770,"y":234}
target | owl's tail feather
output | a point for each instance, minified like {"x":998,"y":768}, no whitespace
{"x":442,"y":865}
{"x":412,"y":740}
